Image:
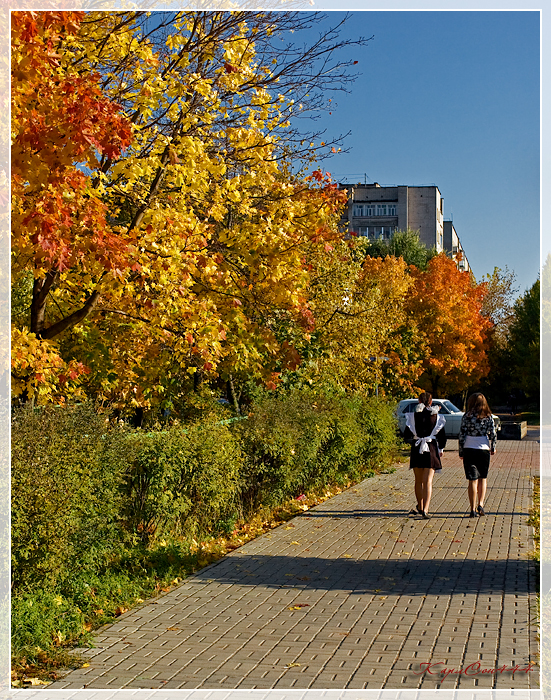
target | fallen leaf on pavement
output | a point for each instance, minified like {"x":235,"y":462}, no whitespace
{"x":35,"y":681}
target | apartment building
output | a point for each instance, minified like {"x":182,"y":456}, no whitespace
{"x":453,"y":247}
{"x":376,"y":211}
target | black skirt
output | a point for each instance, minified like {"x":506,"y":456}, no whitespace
{"x":476,"y":463}
{"x":425,"y":460}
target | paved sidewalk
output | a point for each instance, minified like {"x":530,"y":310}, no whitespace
{"x":352,"y":594}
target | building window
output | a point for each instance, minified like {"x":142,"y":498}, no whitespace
{"x":381,"y":209}
{"x":392,"y":210}
{"x":363,"y":210}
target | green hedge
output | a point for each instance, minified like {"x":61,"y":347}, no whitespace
{"x":67,"y":466}
{"x":101,"y":514}
{"x":305,"y":439}
{"x":182,"y":482}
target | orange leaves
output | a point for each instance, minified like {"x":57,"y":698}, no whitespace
{"x":447,"y":305}
{"x":60,"y":120}
{"x":290,"y":356}
{"x":38,"y":371}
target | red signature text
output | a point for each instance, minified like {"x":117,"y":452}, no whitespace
{"x":439,"y":668}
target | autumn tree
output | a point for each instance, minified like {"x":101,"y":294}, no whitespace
{"x":357,"y":304}
{"x":445,"y":305}
{"x":60,"y":118}
{"x":497,"y":307}
{"x":202,"y":246}
{"x":499,"y":302}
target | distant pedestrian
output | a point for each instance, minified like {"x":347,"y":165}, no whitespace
{"x":425,"y":433}
{"x":477,"y":441}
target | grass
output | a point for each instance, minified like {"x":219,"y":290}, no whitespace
{"x":534,"y":520}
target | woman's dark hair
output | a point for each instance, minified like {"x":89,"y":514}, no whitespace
{"x":478,"y":406}
{"x":425,"y":398}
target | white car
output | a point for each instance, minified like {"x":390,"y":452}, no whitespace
{"x":451,"y":413}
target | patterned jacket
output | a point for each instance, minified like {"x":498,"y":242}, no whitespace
{"x":480,"y":427}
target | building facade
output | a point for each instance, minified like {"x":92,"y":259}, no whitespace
{"x":453,"y":247}
{"x":376,"y":211}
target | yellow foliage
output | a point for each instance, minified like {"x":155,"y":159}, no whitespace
{"x":38,"y":371}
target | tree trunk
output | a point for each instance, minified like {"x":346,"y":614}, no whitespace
{"x":233,"y":397}
{"x":197,"y":380}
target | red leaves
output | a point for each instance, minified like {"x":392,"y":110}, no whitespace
{"x":291,"y":357}
{"x":317,"y":175}
{"x":306,"y":319}
{"x":230,"y":69}
{"x":61,"y":119}
{"x":273,"y":382}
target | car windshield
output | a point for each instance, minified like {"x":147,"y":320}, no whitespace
{"x":451,"y":407}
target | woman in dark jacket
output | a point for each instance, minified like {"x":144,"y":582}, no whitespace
{"x":425,"y":433}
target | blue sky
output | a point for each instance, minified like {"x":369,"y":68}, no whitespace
{"x":452,"y":98}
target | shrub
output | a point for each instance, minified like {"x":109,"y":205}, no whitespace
{"x":66,"y":473}
{"x":182,"y":482}
{"x":305,"y":439}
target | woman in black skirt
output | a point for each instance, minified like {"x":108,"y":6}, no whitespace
{"x":425,"y":433}
{"x":477,"y":441}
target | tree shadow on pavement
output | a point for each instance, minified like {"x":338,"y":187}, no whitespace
{"x":375,"y":576}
